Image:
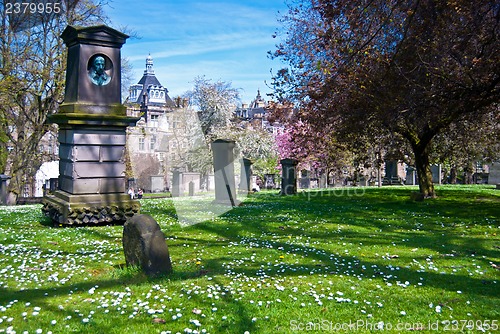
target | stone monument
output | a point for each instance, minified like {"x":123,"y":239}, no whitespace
{"x":436,"y":173}
{"x":177,"y":189}
{"x":269,"y":181}
{"x":194,"y":178}
{"x":246,"y":176}
{"x":411,"y":176}
{"x":225,"y":190}
{"x":144,"y":246}
{"x":92,"y":132}
{"x":391,"y":173}
{"x":289,"y":176}
{"x":3,"y":188}
{"x":157,"y":183}
{"x":494,"y":175}
{"x":305,"y":180}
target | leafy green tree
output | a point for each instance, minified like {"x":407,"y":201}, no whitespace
{"x":402,"y":69}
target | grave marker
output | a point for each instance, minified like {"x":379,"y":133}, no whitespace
{"x":225,"y":190}
{"x":144,"y":246}
{"x":246,"y":176}
{"x":177,"y":189}
{"x":494,"y":175}
{"x":3,"y":188}
{"x":288,"y":176}
{"x":92,"y":132}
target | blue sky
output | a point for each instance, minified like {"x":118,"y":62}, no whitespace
{"x":223,"y":40}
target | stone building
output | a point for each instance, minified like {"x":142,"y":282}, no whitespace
{"x":156,"y":144}
{"x":255,"y":115}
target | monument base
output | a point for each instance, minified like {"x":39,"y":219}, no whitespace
{"x":89,"y":209}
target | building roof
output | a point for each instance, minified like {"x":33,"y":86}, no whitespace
{"x":148,"y":80}
{"x":259,"y":102}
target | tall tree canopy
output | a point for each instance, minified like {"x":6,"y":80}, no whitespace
{"x":215,"y":102}
{"x":32,"y":77}
{"x":408,"y":69}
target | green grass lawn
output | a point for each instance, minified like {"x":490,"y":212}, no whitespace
{"x":319,"y":261}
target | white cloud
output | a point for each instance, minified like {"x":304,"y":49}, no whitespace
{"x":224,"y":40}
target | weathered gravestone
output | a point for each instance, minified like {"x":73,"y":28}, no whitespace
{"x":157,"y":183}
{"x":391,"y":173}
{"x":494,"y":175}
{"x":177,"y":188}
{"x":225,"y":189}
{"x":3,"y":188}
{"x":92,"y":132}
{"x":144,"y":245}
{"x":210,"y":182}
{"x":269,"y":181}
{"x":411,"y":176}
{"x":305,"y":179}
{"x":191,"y":188}
{"x":288,"y":176}
{"x":191,"y":179}
{"x":246,"y":176}
{"x":436,"y":173}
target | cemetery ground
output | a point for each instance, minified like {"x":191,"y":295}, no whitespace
{"x":352,"y":259}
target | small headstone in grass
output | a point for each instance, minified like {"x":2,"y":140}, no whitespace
{"x":144,"y":245}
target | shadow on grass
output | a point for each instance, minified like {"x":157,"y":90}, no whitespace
{"x":378,"y":217}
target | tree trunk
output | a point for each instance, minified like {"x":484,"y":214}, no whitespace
{"x":453,"y":175}
{"x":468,"y":173}
{"x":11,"y":198}
{"x":13,"y":188}
{"x":424,"y":171}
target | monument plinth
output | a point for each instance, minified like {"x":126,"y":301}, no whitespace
{"x":92,"y":132}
